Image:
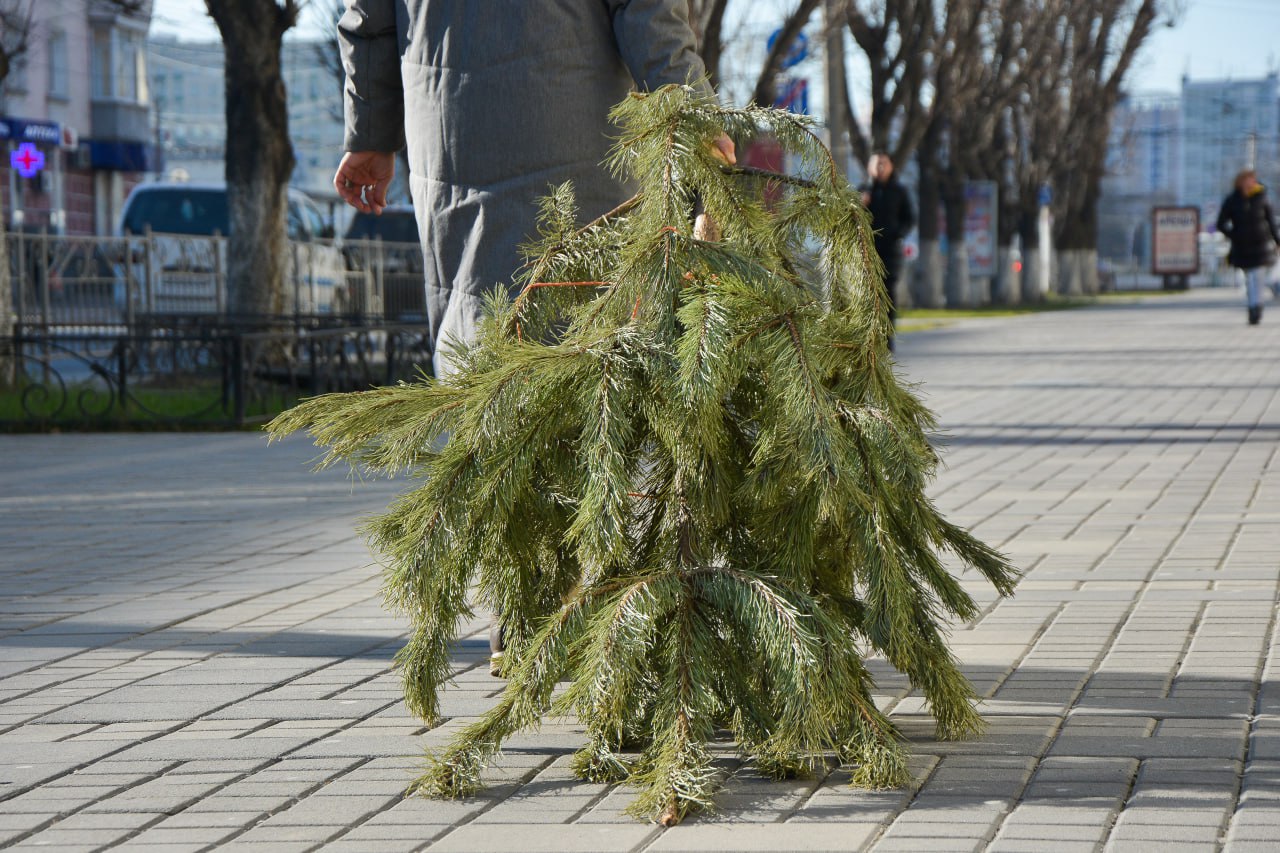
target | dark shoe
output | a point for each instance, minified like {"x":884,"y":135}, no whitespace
{"x":1255,"y":314}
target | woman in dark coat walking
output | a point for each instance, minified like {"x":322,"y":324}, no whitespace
{"x":1250,"y":225}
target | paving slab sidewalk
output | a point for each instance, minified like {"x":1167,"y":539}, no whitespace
{"x":193,"y":653}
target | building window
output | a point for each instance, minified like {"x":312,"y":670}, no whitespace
{"x":140,"y":73}
{"x":125,"y":67}
{"x":59,"y":76}
{"x":102,"y":87}
{"x":17,"y":79}
{"x":119,"y":66}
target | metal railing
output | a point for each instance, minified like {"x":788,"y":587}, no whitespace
{"x":142,"y":329}
{"x":59,"y":281}
{"x":198,"y":377}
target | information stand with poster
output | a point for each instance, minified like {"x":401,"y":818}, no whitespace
{"x":981,"y":202}
{"x":1175,"y":245}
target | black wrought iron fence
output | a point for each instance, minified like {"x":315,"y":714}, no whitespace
{"x":191,"y":377}
{"x":140,"y":330}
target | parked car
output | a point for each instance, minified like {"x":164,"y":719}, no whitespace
{"x":396,"y":224}
{"x":388,"y":244}
{"x":188,"y":267}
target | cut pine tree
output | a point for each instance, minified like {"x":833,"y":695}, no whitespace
{"x":683,"y":476}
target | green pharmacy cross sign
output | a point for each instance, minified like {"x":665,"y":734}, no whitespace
{"x":27,"y":159}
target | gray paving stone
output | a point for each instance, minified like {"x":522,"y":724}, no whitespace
{"x":767,"y":837}
{"x":543,"y":838}
{"x":1041,"y":845}
{"x":1124,"y":455}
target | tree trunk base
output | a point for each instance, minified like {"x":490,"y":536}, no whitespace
{"x":1007,"y":287}
{"x":1032,"y":262}
{"x":958,"y":286}
{"x":1077,"y":272}
{"x":928,"y":276}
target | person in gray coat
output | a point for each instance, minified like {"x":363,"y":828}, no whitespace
{"x":497,"y":102}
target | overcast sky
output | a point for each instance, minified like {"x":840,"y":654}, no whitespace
{"x":1215,"y":39}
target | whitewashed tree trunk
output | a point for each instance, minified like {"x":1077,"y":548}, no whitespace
{"x":1007,"y":288}
{"x":958,"y":287}
{"x":930,"y":276}
{"x":260,"y":157}
{"x":256,"y":266}
{"x":1077,"y":272}
{"x":904,"y":291}
{"x":980,"y":290}
{"x":1031,"y":275}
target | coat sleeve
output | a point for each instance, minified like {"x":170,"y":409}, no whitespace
{"x":1224,"y":222}
{"x":656,"y":41}
{"x":906,"y":214}
{"x":372,"y":94}
{"x":1271,"y":222}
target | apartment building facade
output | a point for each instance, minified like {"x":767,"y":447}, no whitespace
{"x":75,"y":117}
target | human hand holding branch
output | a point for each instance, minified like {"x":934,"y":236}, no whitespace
{"x":705,"y":227}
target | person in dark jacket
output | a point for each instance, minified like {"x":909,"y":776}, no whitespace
{"x":892,"y":217}
{"x":1249,"y":223}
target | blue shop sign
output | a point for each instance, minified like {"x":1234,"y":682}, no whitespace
{"x":25,"y":130}
{"x":115,"y":156}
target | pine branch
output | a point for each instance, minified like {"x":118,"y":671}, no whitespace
{"x":683,"y":475}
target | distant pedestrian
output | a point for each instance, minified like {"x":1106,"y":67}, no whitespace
{"x":892,"y":217}
{"x":1249,"y":223}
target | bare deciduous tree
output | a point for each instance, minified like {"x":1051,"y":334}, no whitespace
{"x":1007,"y":50}
{"x":15,"y":32}
{"x":259,"y":155}
{"x":1044,"y":81}
{"x":1102,"y":41}
{"x":765,"y":91}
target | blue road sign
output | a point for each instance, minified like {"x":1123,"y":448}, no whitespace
{"x":793,"y":95}
{"x":798,"y":52}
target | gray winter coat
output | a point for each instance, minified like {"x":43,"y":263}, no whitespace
{"x":498,"y":100}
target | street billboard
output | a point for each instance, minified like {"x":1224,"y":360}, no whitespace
{"x":1175,"y":240}
{"x":982,"y":205}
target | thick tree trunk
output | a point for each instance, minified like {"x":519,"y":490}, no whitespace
{"x":930,"y":275}
{"x":930,"y":292}
{"x":957,"y":282}
{"x":1077,"y":238}
{"x":1077,"y":272}
{"x":1029,"y":239}
{"x":1007,"y":287}
{"x":1032,"y":259}
{"x":959,"y":289}
{"x":766,"y":84}
{"x":259,"y":154}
